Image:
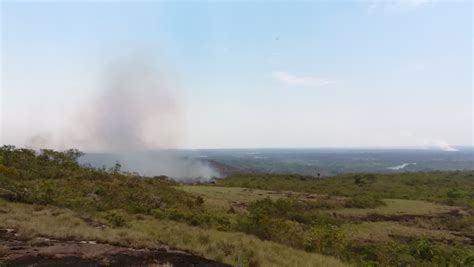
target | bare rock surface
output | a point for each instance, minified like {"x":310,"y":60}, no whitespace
{"x":42,"y":251}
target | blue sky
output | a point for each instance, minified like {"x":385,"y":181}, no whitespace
{"x":251,"y":74}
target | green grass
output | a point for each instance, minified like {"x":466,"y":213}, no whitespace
{"x":220,"y":197}
{"x":145,"y":231}
{"x":452,"y":188}
{"x":265,"y":219}
{"x":362,"y":242}
{"x":399,"y":207}
{"x":225,"y":197}
{"x":381,"y":232}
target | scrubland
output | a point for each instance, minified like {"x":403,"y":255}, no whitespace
{"x":407,"y":219}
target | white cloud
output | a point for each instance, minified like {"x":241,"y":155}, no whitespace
{"x":295,"y":80}
{"x":441,"y":144}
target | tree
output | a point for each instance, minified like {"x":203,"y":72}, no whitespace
{"x":117,"y":167}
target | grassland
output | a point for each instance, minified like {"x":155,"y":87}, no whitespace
{"x":255,"y":219}
{"x":399,"y":207}
{"x":453,"y":188}
{"x":387,"y":216}
{"x":226,"y":197}
{"x":50,"y":195}
{"x":147,"y":232}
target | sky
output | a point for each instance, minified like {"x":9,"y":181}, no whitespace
{"x":248,"y":74}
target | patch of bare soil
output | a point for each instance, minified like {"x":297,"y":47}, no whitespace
{"x":466,"y":238}
{"x":375,"y":217}
{"x":14,"y":251}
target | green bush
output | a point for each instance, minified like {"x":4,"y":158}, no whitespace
{"x":116,"y":218}
{"x":325,"y":239}
{"x":54,"y":178}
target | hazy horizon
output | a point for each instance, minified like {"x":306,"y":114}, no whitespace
{"x":436,"y":148}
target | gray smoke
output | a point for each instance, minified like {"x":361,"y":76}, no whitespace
{"x":137,"y":118}
{"x":136,"y":109}
{"x":172,"y":163}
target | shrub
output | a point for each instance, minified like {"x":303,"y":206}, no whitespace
{"x":8,"y":171}
{"x":276,"y":229}
{"x":423,"y":249}
{"x":326,"y":239}
{"x":199,"y":201}
{"x":116,"y":218}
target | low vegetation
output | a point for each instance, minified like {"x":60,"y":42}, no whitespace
{"x":452,"y":188}
{"x":249,"y":219}
{"x":49,"y":194}
{"x":146,"y":231}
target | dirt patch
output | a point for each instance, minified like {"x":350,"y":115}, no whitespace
{"x":375,"y":217}
{"x":42,"y":251}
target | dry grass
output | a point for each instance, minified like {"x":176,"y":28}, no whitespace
{"x":218,"y":197}
{"x":386,"y":231}
{"x":222,"y":198}
{"x":399,"y":207}
{"x":226,"y":247}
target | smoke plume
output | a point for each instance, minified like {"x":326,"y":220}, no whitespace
{"x":441,"y":144}
{"x":136,"y":118}
{"x":136,"y":109}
